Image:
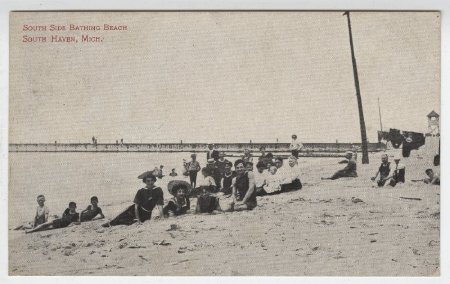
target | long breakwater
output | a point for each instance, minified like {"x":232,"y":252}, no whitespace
{"x":309,"y":149}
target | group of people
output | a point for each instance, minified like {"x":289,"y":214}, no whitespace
{"x":221,"y":189}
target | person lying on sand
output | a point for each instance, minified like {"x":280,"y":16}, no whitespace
{"x":41,"y":216}
{"x":91,"y":211}
{"x":69,"y":216}
{"x":384,"y":171}
{"x":145,"y":201}
{"x":179,"y":204}
{"x":433,"y":178}
{"x":348,"y":171}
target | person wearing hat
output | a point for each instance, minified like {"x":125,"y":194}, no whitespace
{"x":212,"y":153}
{"x":193,"y":167}
{"x":179,"y":204}
{"x":145,"y":201}
{"x":295,"y":146}
{"x":348,"y":171}
{"x":214,"y":171}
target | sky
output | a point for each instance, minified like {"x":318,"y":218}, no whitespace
{"x":223,"y":77}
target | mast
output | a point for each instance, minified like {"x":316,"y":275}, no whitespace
{"x":365,"y":153}
{"x":379,"y":113}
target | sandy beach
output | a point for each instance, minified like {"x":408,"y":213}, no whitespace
{"x":346,"y":227}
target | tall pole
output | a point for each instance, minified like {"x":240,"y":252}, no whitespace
{"x":365,"y":154}
{"x":379,"y":113}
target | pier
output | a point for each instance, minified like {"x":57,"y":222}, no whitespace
{"x":231,"y":149}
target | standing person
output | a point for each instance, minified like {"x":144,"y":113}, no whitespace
{"x":244,"y":192}
{"x":348,"y":171}
{"x":193,"y":167}
{"x":220,"y":164}
{"x":145,"y":201}
{"x":291,"y":179}
{"x":227,"y":178}
{"x":212,"y":153}
{"x":295,"y":146}
{"x":247,"y":156}
{"x":384,"y":171}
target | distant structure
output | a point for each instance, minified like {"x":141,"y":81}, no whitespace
{"x":433,"y":123}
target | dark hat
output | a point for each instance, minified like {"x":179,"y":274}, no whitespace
{"x":294,"y":136}
{"x":146,"y":175}
{"x":174,"y":185}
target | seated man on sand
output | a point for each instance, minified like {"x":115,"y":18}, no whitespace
{"x":433,"y":178}
{"x":398,"y":173}
{"x":348,"y":171}
{"x":244,"y":192}
{"x":384,"y":171}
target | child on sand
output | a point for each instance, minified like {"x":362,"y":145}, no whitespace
{"x":69,"y":216}
{"x":179,"y":204}
{"x":41,"y":216}
{"x":91,"y":211}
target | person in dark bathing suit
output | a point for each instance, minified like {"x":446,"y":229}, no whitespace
{"x":91,"y":211}
{"x":384,"y":171}
{"x":348,"y":171}
{"x":179,"y":204}
{"x":69,"y":216}
{"x":145,"y":201}
{"x":227,"y":179}
{"x":244,"y":192}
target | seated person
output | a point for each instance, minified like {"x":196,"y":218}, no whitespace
{"x":398,"y":173}
{"x":91,"y":211}
{"x":207,"y":185}
{"x":260,"y":178}
{"x":227,"y":179}
{"x":179,"y":204}
{"x":291,"y":176}
{"x":243,"y":192}
{"x":145,"y":201}
{"x":433,"y":178}
{"x":384,"y":171}
{"x":273,"y":182}
{"x":41,"y":216}
{"x":173,"y":173}
{"x":348,"y":171}
{"x":70,"y":215}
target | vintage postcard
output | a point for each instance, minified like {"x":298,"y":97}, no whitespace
{"x":224,"y":143}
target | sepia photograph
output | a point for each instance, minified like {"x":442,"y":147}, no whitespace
{"x":224,"y":143}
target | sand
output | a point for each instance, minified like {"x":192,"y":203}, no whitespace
{"x":329,"y":228}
